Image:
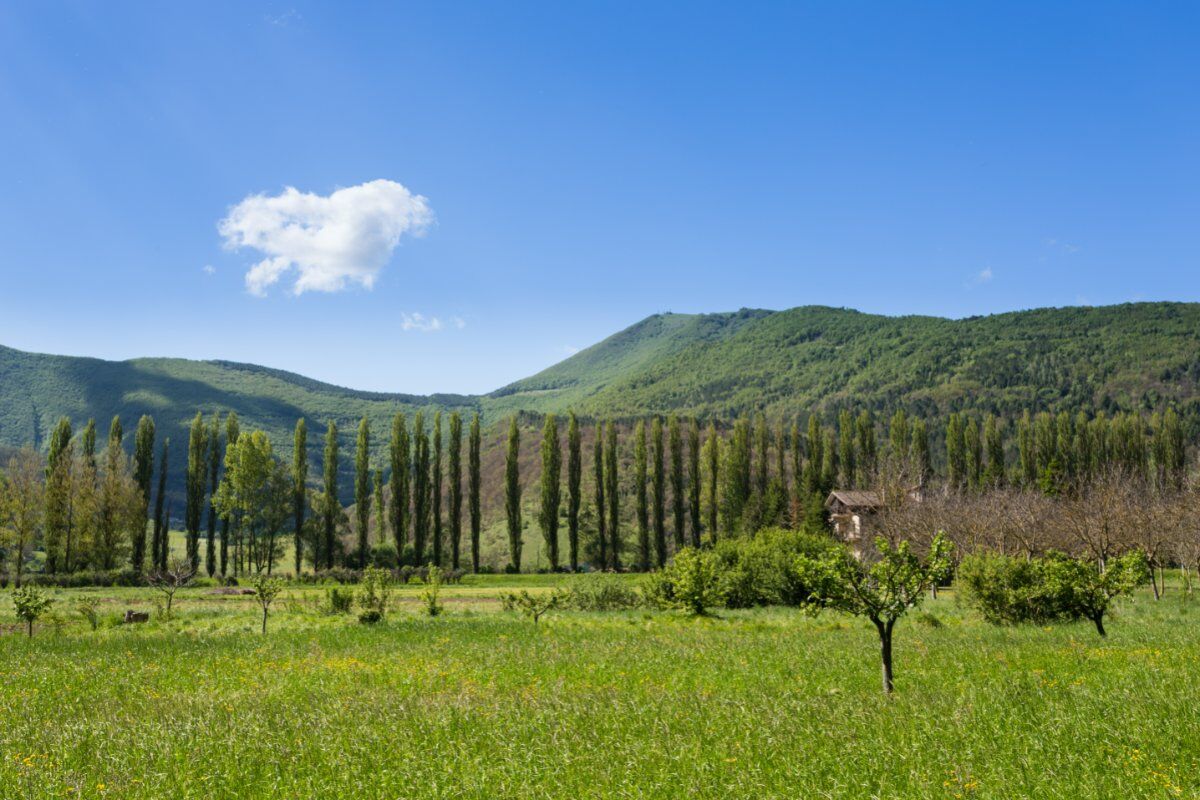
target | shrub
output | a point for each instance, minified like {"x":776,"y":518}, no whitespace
{"x":88,"y":609}
{"x":534,"y":606}
{"x":692,"y":582}
{"x":433,"y":588}
{"x":761,"y":570}
{"x":338,"y":601}
{"x":373,"y":594}
{"x":601,"y":592}
{"x":1008,"y":590}
{"x":30,"y":603}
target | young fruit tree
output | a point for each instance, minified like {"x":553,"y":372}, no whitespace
{"x":882,"y":586}
{"x":266,"y":589}
{"x":30,"y":603}
{"x":1086,"y":591}
{"x":178,"y":574}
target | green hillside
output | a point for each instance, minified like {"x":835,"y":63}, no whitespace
{"x":1136,"y":356}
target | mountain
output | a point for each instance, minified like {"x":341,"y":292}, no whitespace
{"x":1135,"y":356}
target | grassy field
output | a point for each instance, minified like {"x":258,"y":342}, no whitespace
{"x":481,"y":703}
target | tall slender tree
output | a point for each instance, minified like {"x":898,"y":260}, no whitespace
{"x":331,"y":508}
{"x":473,"y":489}
{"x":868,"y":455}
{"x":380,"y":509}
{"x":299,"y":491}
{"x":214,"y":474}
{"x":659,"y":481}
{"x":143,"y":475}
{"x":58,"y":498}
{"x":920,"y":451}
{"x":89,"y":443}
{"x":601,"y":500}
{"x":435,"y":490}
{"x":694,"y":482}
{"x":197,"y":473}
{"x":846,"y":455}
{"x":398,"y":453}
{"x":993,"y":440}
{"x":551,"y":488}
{"x":956,"y":452}
{"x":973,"y":445}
{"x":362,"y":491}
{"x":232,"y":521}
{"x":159,"y":544}
{"x":610,"y":490}
{"x":712,"y":457}
{"x":512,"y":494}
{"x":455,"y":476}
{"x":639,"y":480}
{"x":678,"y":499}
{"x":736,"y":483}
{"x":420,"y":487}
{"x":574,"y":487}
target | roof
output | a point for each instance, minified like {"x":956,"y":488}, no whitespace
{"x":854,"y":498}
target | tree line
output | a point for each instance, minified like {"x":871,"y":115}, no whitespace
{"x":652,"y":489}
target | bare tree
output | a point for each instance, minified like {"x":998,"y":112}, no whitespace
{"x":178,"y":574}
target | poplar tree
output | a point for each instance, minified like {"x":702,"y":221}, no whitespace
{"x":551,"y":488}
{"x":639,"y":480}
{"x":58,"y":497}
{"x":678,"y":499}
{"x":736,"y":480}
{"x":993,"y":442}
{"x":512,"y":494}
{"x":332,"y":506}
{"x":830,"y":467}
{"x":712,"y":458}
{"x":89,"y":443}
{"x":1027,"y":450}
{"x":380,"y":509}
{"x":435,"y":489}
{"x":398,"y":453}
{"x":694,"y":481}
{"x":610,"y":490}
{"x":143,"y":475}
{"x":116,"y":433}
{"x":299,"y":492}
{"x":455,"y":476}
{"x":846,"y":458}
{"x":231,"y":521}
{"x":214,"y":471}
{"x":973,"y":445}
{"x":601,"y":500}
{"x":473,"y":489}
{"x":659,"y":480}
{"x":197,"y":472}
{"x":574,"y":488}
{"x":898,"y":436}
{"x":362,"y":490}
{"x":956,"y":452}
{"x":420,"y":487}
{"x":761,"y":443}
{"x":159,"y":546}
{"x":868,"y":456}
{"x":919,"y":450}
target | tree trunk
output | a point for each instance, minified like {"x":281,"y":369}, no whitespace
{"x":29,"y":629}
{"x":1154,"y":576}
{"x":1099,"y":620}
{"x":885,"y":651}
{"x":264,"y":620}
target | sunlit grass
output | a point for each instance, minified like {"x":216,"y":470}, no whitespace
{"x":482,"y":703}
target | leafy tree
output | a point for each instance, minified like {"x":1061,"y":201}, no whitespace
{"x":601,"y":500}
{"x":920,"y":450}
{"x":846,"y":454}
{"x":261,"y":491}
{"x":362,"y":490}
{"x":534,"y":606}
{"x":58,"y":497}
{"x":332,"y":507}
{"x":455,"y":475}
{"x":974,"y":451}
{"x":233,"y":430}
{"x":881,"y":588}
{"x":299,"y":490}
{"x":435,"y":490}
{"x":512,"y":494}
{"x":473,"y":490}
{"x":694,"y":482}
{"x":735,"y":489}
{"x":610,"y":491}
{"x":643,"y":511}
{"x":380,"y":510}
{"x":420,"y":487}
{"x":898,"y":436}
{"x":956,"y":452}
{"x":574,"y":489}
{"x":551,"y":488}
{"x":993,"y":441}
{"x":692,"y":582}
{"x":215,"y":455}
{"x":712,"y":458}
{"x":266,"y":589}
{"x":30,"y":603}
{"x":143,"y":474}
{"x":197,"y":472}
{"x":398,"y":452}
{"x":868,"y":454}
{"x":22,"y":506}
{"x":659,"y":479}
{"x":119,"y":514}
{"x":433,"y":590}
{"x":89,"y":443}
{"x":159,"y":548}
{"x":678,"y":499}
{"x":1087,"y":591}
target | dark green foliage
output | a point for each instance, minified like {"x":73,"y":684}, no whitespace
{"x":89,"y":443}
{"x":158,"y":548}
{"x":512,"y":494}
{"x":473,"y":491}
{"x":678,"y":499}
{"x":143,"y":475}
{"x":299,"y":491}
{"x":712,"y":460}
{"x":735,"y":477}
{"x":215,"y":454}
{"x":435,"y":489}
{"x":611,"y":467}
{"x":362,"y":489}
{"x":420,"y":487}
{"x":233,"y":432}
{"x":197,"y":473}
{"x":761,"y":570}
{"x":398,"y":453}
{"x":58,"y":518}
{"x":551,"y":488}
{"x":574,"y":489}
{"x":695,"y":481}
{"x":455,"y":478}
{"x":331,"y":506}
{"x":659,"y":481}
{"x":598,"y":492}
{"x":641,"y":503}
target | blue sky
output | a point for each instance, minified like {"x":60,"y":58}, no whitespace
{"x":549,"y":173}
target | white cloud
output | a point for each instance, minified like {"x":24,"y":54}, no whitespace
{"x":983,"y":276}
{"x":459,"y":322}
{"x":330,"y":242}
{"x":209,"y":269}
{"x":417,"y":321}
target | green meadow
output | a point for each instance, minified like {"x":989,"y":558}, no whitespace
{"x":480,"y":702}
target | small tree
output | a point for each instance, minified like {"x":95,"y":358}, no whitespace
{"x":373,"y":594}
{"x":30,"y":603}
{"x":692,"y":582}
{"x":1087,"y":592}
{"x":88,"y":609}
{"x":881,"y":587}
{"x":433,"y":588}
{"x":178,"y":574}
{"x":266,"y":589}
{"x":534,"y":606}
